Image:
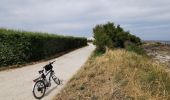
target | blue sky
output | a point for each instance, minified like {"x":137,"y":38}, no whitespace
{"x":148,"y":19}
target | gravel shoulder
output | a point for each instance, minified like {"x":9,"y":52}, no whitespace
{"x":16,"y":84}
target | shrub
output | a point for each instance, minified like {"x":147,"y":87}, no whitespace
{"x":97,"y":53}
{"x":136,"y":49}
{"x":102,"y":38}
{"x":18,"y":47}
{"x":109,"y":35}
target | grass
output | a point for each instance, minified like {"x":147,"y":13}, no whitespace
{"x":97,"y":53}
{"x":118,"y":75}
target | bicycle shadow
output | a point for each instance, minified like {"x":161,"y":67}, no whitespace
{"x":48,"y":92}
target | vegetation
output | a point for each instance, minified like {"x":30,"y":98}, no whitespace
{"x":110,"y":36}
{"x":98,"y":53}
{"x":137,"y":49}
{"x":158,"y":51}
{"x":18,"y":47}
{"x":118,"y":75}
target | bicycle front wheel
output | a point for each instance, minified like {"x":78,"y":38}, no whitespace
{"x":39,"y":89}
{"x":56,"y":80}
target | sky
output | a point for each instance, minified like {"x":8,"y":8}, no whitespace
{"x":147,"y":19}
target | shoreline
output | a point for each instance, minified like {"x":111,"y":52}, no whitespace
{"x":158,"y":51}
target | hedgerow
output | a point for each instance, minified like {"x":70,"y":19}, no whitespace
{"x":17,"y":47}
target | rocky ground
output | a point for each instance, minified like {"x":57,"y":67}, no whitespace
{"x":158,"y":51}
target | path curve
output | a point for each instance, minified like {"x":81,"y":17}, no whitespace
{"x":16,"y":84}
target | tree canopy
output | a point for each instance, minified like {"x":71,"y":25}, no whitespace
{"x":111,"y":36}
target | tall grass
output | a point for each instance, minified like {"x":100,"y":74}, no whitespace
{"x":118,"y":75}
{"x":20,"y":46}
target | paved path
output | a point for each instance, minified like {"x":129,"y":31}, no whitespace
{"x":16,"y":84}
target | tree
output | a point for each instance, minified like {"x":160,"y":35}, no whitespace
{"x":107,"y":35}
{"x":102,"y":39}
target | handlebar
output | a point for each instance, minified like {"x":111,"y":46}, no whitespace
{"x":41,"y":71}
{"x":52,"y":62}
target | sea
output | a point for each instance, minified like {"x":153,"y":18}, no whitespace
{"x":163,"y":42}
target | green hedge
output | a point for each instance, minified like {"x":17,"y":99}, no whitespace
{"x":17,"y":47}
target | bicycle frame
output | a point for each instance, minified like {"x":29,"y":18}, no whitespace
{"x":43,"y":75}
{"x":49,"y":72}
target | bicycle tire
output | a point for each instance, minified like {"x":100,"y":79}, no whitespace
{"x":43,"y":87}
{"x":56,"y":80}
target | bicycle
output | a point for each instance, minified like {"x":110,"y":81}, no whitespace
{"x":41,"y":82}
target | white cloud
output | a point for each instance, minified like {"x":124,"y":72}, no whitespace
{"x":78,"y":17}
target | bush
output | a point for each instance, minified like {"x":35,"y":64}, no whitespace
{"x":102,"y":38}
{"x":109,"y":35}
{"x":97,"y":53}
{"x":18,"y":47}
{"x":136,"y":49}
{"x":103,"y":42}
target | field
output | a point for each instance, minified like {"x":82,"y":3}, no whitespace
{"x":118,"y":75}
{"x":19,"y":47}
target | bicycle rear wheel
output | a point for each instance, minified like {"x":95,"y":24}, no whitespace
{"x":39,"y":89}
